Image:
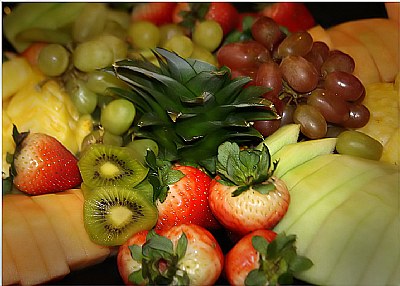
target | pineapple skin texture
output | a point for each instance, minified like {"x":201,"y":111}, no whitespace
{"x":383,"y":102}
{"x":41,"y":105}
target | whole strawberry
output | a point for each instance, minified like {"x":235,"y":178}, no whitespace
{"x":41,"y":164}
{"x":245,"y":196}
{"x":180,"y":194}
{"x":158,"y":13}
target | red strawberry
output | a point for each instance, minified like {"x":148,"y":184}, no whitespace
{"x":32,"y":52}
{"x":294,"y":16}
{"x":41,"y":164}
{"x":245,"y":195}
{"x":225,"y":14}
{"x":181,"y":194}
{"x":222,"y":12}
{"x":264,"y":258}
{"x":156,"y":12}
{"x":187,"y":201}
{"x":186,"y":254}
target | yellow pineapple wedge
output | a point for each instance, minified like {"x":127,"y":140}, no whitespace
{"x":40,"y":105}
{"x":383,"y":102}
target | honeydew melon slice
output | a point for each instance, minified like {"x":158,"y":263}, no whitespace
{"x":346,"y":216}
{"x":293,"y":155}
{"x":287,"y":134}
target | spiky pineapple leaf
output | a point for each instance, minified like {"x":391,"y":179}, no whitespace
{"x":180,"y":69}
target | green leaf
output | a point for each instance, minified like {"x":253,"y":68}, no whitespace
{"x":256,"y":277}
{"x":180,"y":69}
{"x":136,"y":252}
{"x":181,"y":246}
{"x":158,"y":244}
{"x":136,"y":277}
{"x":260,"y":244}
{"x":300,"y":263}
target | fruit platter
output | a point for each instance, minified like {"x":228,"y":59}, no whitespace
{"x":200,"y":143}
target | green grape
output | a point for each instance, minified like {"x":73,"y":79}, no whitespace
{"x":139,"y":148}
{"x":117,"y":116}
{"x":121,"y":17}
{"x":356,"y":143}
{"x":53,"y":60}
{"x":180,"y":44}
{"x":143,"y":35}
{"x":118,"y":46}
{"x":115,"y":29}
{"x":98,"y":81}
{"x":99,"y":136}
{"x":112,"y":139}
{"x":202,"y":54}
{"x":90,"y":22}
{"x":208,"y":34}
{"x":83,"y":98}
{"x":91,"y":55}
{"x":167,"y":31}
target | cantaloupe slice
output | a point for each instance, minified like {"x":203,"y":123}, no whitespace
{"x":64,"y":229}
{"x":10,"y":275}
{"x":22,"y":245}
{"x":74,"y":208}
{"x":319,"y":34}
{"x":45,"y":236}
{"x":374,"y":43}
{"x":366,"y":69}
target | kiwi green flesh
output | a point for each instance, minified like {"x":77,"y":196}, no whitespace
{"x":108,"y":165}
{"x":113,"y":214}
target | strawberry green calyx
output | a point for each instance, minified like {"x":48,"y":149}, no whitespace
{"x":245,"y":168}
{"x":278,"y":261}
{"x":159,"y":261}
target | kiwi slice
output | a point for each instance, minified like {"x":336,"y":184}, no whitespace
{"x":109,"y":165}
{"x":113,"y":214}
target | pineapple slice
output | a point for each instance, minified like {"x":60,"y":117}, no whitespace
{"x":43,"y":106}
{"x":17,"y":73}
{"x":383,"y":102}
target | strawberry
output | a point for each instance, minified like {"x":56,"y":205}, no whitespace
{"x":32,"y":52}
{"x":264,"y":258}
{"x":245,"y":196}
{"x":183,"y":195}
{"x":224,"y":13}
{"x":186,"y":254}
{"x":41,"y":164}
{"x":158,"y":13}
{"x":294,"y":16}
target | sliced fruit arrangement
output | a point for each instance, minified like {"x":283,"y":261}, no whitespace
{"x":185,"y":120}
{"x":33,"y":258}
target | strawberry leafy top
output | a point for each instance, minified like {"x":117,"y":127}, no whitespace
{"x":278,"y":261}
{"x":159,"y":261}
{"x":245,"y":168}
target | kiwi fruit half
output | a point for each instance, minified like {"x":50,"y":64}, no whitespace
{"x":113,"y":214}
{"x":109,"y":165}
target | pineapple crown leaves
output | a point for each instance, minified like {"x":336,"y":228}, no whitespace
{"x":279,"y":261}
{"x":245,"y":168}
{"x":159,"y":261}
{"x":189,"y":107}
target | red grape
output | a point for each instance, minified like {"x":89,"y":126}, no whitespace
{"x":269,"y":75}
{"x":337,"y":61}
{"x":318,"y":54}
{"x":242,"y":55}
{"x":299,"y":73}
{"x":345,"y":85}
{"x":332,"y":108}
{"x":312,"y":123}
{"x":358,"y":116}
{"x":267,"y":32}
{"x":296,"y":44}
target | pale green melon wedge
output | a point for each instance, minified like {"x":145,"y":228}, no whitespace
{"x":287,"y":134}
{"x":346,"y":215}
{"x":293,"y":155}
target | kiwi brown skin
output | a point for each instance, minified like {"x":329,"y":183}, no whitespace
{"x":101,"y":206}
{"x":130,"y":171}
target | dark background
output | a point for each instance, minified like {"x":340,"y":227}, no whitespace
{"x":326,"y":14}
